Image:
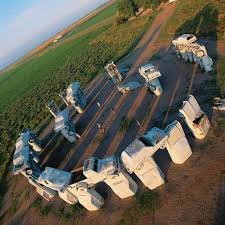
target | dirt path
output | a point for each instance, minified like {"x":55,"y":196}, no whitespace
{"x":115,"y":100}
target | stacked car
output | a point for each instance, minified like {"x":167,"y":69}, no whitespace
{"x":187,"y":49}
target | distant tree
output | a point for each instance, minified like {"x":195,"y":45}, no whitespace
{"x":126,"y":8}
{"x":137,"y":4}
{"x":120,"y":20}
{"x":148,"y":4}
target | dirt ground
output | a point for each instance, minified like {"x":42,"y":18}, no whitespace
{"x":194,"y":192}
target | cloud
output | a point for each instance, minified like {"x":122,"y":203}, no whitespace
{"x":38,"y":22}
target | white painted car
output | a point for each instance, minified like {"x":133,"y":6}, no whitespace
{"x":114,"y":72}
{"x":151,"y":74}
{"x":110,"y":171}
{"x":70,"y":192}
{"x":75,"y":96}
{"x":64,"y":125}
{"x":137,"y":158}
{"x":184,"y":39}
{"x":28,"y":138}
{"x":195,"y":118}
{"x":177,"y":144}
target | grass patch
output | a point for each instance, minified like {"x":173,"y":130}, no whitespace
{"x":45,"y":211}
{"x":145,"y":205}
{"x":125,"y":124}
{"x":36,"y":204}
{"x":16,"y":200}
{"x":149,"y":201}
{"x":209,"y":141}
{"x":77,"y":209}
{"x":65,"y":215}
{"x":156,"y":56}
{"x":221,"y":76}
{"x":14,"y":206}
{"x":73,"y":211}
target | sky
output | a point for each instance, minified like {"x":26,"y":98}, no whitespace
{"x":25,"y":24}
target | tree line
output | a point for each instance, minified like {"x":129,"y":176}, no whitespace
{"x":128,"y":8}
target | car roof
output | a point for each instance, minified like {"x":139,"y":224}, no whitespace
{"x":56,"y":177}
{"x":186,"y":35}
{"x":147,"y":66}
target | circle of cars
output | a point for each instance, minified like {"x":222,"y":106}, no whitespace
{"x":137,"y":158}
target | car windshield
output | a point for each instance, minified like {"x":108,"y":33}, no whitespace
{"x":19,"y":165}
{"x":149,"y":70}
{"x":152,"y":87}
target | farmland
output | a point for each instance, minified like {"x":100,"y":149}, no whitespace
{"x":107,"y":14}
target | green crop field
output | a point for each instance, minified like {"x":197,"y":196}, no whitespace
{"x":106,"y":14}
{"x":27,"y":76}
{"x":26,"y":89}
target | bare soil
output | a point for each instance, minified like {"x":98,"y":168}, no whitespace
{"x":194,"y":192}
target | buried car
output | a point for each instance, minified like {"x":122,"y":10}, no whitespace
{"x":151,"y":75}
{"x":195,"y":118}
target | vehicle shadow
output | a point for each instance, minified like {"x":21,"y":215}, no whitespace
{"x":204,"y":86}
{"x":219,"y":216}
